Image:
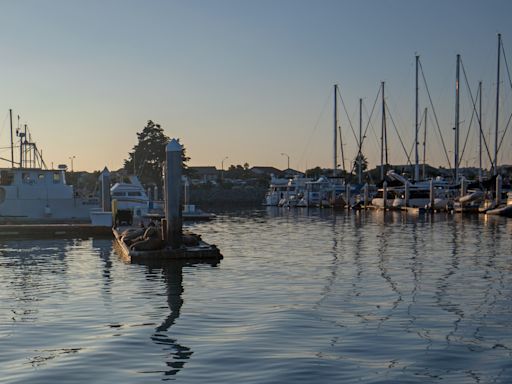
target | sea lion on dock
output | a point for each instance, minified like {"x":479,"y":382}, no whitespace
{"x":130,"y":235}
{"x":148,"y":242}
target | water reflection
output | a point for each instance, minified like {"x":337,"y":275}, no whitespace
{"x":29,"y":265}
{"x":176,"y":354}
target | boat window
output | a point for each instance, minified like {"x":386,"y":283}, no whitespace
{"x":6,"y":178}
{"x":2,"y":195}
{"x":40,"y":176}
{"x":25,"y":177}
{"x":56,"y":178}
{"x":119,"y":194}
{"x":134,"y":194}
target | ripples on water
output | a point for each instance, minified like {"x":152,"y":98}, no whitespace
{"x":299,"y":297}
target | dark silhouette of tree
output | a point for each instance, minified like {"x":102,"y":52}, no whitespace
{"x":364,"y":162}
{"x":239,"y":172}
{"x":148,"y":155}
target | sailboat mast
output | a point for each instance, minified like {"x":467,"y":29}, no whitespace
{"x":457,"y":100}
{"x":383,"y":135}
{"x":425,"y":146}
{"x":416,"y":165}
{"x":335,"y":148}
{"x":480,"y":132}
{"x":360,"y":155}
{"x":497,"y":107}
{"x":341,"y":150}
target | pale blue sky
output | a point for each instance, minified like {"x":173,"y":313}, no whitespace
{"x":244,"y":79}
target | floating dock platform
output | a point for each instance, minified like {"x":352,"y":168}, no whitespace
{"x":199,"y":251}
{"x":42,"y":231}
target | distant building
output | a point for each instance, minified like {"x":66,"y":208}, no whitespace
{"x":204,"y":174}
{"x":290,"y":173}
{"x":267,"y":171}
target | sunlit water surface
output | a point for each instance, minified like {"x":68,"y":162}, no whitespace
{"x":311,"y":297}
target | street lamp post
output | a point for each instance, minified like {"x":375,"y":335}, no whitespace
{"x":288,"y":157}
{"x":71,"y":158}
{"x":222,"y":169}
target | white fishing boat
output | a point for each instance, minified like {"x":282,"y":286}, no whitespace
{"x":35,"y":194}
{"x":30,"y":192}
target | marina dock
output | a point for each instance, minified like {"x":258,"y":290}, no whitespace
{"x":198,"y":251}
{"x":10,"y":231}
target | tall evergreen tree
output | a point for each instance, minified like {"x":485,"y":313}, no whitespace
{"x":148,"y":155}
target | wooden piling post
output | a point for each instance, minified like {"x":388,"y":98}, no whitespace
{"x":173,"y":170}
{"x":105,"y":190}
{"x":385,"y":194}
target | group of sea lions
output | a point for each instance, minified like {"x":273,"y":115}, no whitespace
{"x":142,"y":239}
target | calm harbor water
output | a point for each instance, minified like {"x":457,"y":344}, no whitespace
{"x":300,"y":296}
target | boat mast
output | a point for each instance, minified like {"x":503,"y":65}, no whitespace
{"x":341,"y":150}
{"x":425,"y":146}
{"x":497,"y":108}
{"x":335,"y":152}
{"x":12,"y":142}
{"x":416,"y":165}
{"x":456,"y":160}
{"x":360,"y":155}
{"x":383,"y":139}
{"x":480,"y":133}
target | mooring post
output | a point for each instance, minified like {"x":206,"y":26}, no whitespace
{"x":173,"y":169}
{"x":385,"y":194}
{"x":105,"y":190}
{"x":347,"y":195}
